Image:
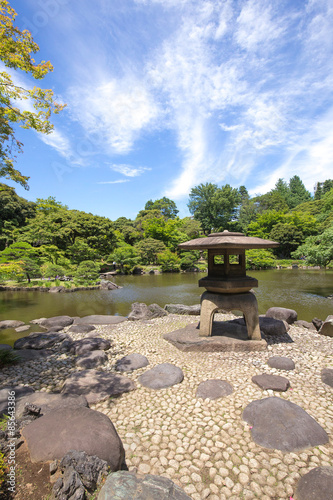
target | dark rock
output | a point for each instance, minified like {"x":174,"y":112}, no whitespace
{"x":327,"y":376}
{"x":187,"y":339}
{"x":327,"y":327}
{"x":68,"y":487}
{"x":48,"y":402}
{"x":142,"y":311}
{"x":10,"y":323}
{"x":90,"y":344}
{"x":56,"y":321}
{"x":20,"y":392}
{"x":81,"y":329}
{"x":40,"y":340}
{"x":5,"y":347}
{"x":282,"y":425}
{"x":269,"y":326}
{"x":56,"y":433}
{"x":91,"y":359}
{"x":124,"y":485}
{"x":131,"y":362}
{"x":91,"y":469}
{"x":183,"y":309}
{"x":99,"y":319}
{"x":161,"y":376}
{"x":305,"y":324}
{"x":214,"y":389}
{"x":317,"y":323}
{"x":316,"y":485}
{"x":32,"y":354}
{"x":97,"y":385}
{"x":31,"y":409}
{"x":281,"y":363}
{"x":288,"y":315}
{"x":273,"y":382}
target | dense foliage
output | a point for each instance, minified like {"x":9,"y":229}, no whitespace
{"x":46,"y":240}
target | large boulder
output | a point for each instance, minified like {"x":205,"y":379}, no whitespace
{"x":10,"y":323}
{"x":268,"y":325}
{"x":288,"y":315}
{"x":97,"y":385}
{"x":74,"y":428}
{"x":90,"y":344}
{"x":81,"y":329}
{"x":48,"y":402}
{"x":142,"y":311}
{"x":315,"y":485}
{"x":40,"y":340}
{"x":282,"y":425}
{"x":124,"y":485}
{"x":327,"y":327}
{"x":63,"y":321}
{"x":91,"y":359}
{"x":19,"y":390}
{"x":131,"y":362}
{"x":161,"y":376}
{"x":305,"y":324}
{"x":183,"y":309}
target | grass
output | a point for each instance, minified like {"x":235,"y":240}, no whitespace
{"x":7,"y":357}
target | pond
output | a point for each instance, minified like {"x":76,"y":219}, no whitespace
{"x":305,"y":291}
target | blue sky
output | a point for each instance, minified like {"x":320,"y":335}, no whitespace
{"x":165,"y":94}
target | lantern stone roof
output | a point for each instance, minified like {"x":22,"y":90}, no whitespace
{"x":227,"y":240}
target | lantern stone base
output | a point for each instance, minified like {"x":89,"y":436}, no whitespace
{"x":245,"y":302}
{"x":225,"y":338}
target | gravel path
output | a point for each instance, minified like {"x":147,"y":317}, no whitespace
{"x":204,"y":446}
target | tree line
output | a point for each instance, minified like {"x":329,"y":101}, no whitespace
{"x":46,"y":239}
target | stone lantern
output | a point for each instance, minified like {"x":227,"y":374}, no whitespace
{"x":228,"y":287}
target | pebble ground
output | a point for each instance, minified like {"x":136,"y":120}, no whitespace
{"x":204,"y":446}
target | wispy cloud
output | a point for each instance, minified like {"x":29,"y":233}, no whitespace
{"x":128,"y":170}
{"x":119,"y":181}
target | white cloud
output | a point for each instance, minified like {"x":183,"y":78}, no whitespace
{"x":129,"y":170}
{"x":119,"y":181}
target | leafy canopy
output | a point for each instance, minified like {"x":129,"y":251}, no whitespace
{"x":16,"y":52}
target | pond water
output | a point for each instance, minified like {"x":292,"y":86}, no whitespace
{"x":305,"y":291}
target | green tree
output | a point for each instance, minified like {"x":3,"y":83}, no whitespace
{"x":148,"y":250}
{"x":191,"y":227}
{"x":297,"y":192}
{"x":11,"y":270}
{"x":169,"y":261}
{"x":167,"y":207}
{"x":49,"y":205}
{"x":80,"y":251}
{"x":317,"y":250}
{"x":126,"y":258}
{"x":54,"y":271}
{"x":87,"y":270}
{"x":289,"y":236}
{"x":167,"y":231}
{"x":16,"y":52}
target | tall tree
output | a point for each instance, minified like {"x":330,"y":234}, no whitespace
{"x":167,"y":207}
{"x":298,"y":192}
{"x":16,"y":52}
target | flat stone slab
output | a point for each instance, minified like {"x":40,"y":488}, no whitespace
{"x":327,"y":376}
{"x":10,"y":323}
{"x":49,"y":402}
{"x":214,"y":389}
{"x":281,"y":363}
{"x":99,"y":319}
{"x":187,"y":339}
{"x":273,"y":382}
{"x":81,"y":329}
{"x":40,"y":340}
{"x":22,"y":328}
{"x":97,"y":385}
{"x":123,"y":485}
{"x":91,"y":359}
{"x":315,"y":485}
{"x":282,"y":425}
{"x":55,"y":434}
{"x":161,"y":376}
{"x":90,"y":344}
{"x":20,"y":392}
{"x":56,"y":321}
{"x":131,"y":362}
{"x":183,"y":309}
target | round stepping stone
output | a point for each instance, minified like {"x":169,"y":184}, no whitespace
{"x":272,"y":382}
{"x":214,"y":389}
{"x":161,"y":376}
{"x":56,"y":321}
{"x":90,"y":344}
{"x":123,"y":485}
{"x":52,"y":436}
{"x":131,"y":362}
{"x":316,"y":485}
{"x":48,"y":402}
{"x":81,"y":328}
{"x":282,"y":425}
{"x":327,"y":376}
{"x":97,"y":385}
{"x":91,"y":359}
{"x":281,"y":363}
